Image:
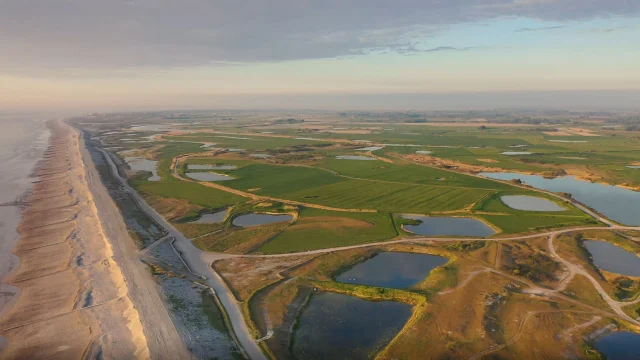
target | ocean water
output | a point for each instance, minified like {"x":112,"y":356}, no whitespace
{"x":23,"y":140}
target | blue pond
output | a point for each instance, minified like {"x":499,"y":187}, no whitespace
{"x":397,"y":270}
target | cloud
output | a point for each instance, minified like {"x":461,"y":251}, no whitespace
{"x":546,"y":28}
{"x":45,"y":35}
{"x":447,"y":48}
{"x":608,"y":30}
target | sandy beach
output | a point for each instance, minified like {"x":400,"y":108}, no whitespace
{"x":75,"y":301}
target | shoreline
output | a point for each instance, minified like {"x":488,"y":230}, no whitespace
{"x":22,"y":153}
{"x":74,"y":301}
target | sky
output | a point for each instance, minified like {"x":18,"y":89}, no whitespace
{"x":99,"y":55}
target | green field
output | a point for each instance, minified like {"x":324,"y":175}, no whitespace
{"x":307,"y":171}
{"x":318,"y":229}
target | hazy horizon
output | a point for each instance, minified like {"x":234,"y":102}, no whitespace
{"x":144,"y":55}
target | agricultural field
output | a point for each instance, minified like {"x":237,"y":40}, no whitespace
{"x":532,"y":289}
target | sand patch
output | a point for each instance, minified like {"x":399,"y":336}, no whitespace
{"x":44,"y":236}
{"x":349,"y":131}
{"x":51,"y":338}
{"x":43,"y":261}
{"x":263,"y":204}
{"x":487,"y":160}
{"x":571,"y":132}
{"x":450,"y":164}
{"x":254,"y":189}
{"x":245,"y":275}
{"x":173,"y":209}
{"x":572,"y":158}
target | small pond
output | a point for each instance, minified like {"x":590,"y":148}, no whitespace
{"x":424,"y":152}
{"x":141,"y":164}
{"x":235,"y":149}
{"x":248,"y":220}
{"x":212,"y":218}
{"x":613,"y":258}
{"x":456,"y":226}
{"x":208,"y":176}
{"x":336,"y":326}
{"x":396,"y":270}
{"x":370,"y":148}
{"x":616,"y":203}
{"x":211,"y":167}
{"x":634,"y":166}
{"x":518,"y":146}
{"x":530,"y":203}
{"x":511,"y":153}
{"x":262,"y":156}
{"x":354,"y":157}
{"x":620,"y":345}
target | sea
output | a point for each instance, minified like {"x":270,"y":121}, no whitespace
{"x":23,"y":140}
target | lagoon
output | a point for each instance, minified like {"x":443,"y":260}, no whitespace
{"x":370,"y":148}
{"x":396,"y":270}
{"x":613,"y":258}
{"x":511,"y":153}
{"x":141,"y":164}
{"x":336,"y":326}
{"x":354,"y":157}
{"x":455,"y":226}
{"x":211,"y":167}
{"x":211,"y":218}
{"x":620,"y":345}
{"x":208,"y":176}
{"x":619,"y":204}
{"x":530,"y":203}
{"x":248,"y":220}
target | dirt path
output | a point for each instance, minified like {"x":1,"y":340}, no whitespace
{"x":567,"y":333}
{"x":575,"y":269}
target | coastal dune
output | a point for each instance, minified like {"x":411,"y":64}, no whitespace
{"x":74,"y":301}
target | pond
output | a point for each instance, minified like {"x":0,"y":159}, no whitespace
{"x":613,"y":258}
{"x":530,"y":203}
{"x":141,"y":164}
{"x":634,"y":166}
{"x":619,"y":204}
{"x":424,"y":152}
{"x":511,"y":153}
{"x":248,"y":220}
{"x":262,"y":156}
{"x":211,"y":167}
{"x":620,"y":345}
{"x":208,"y":176}
{"x":354,"y":157}
{"x":518,"y":146}
{"x":336,"y":326}
{"x":456,"y":226}
{"x":396,"y":270}
{"x":211,"y":218}
{"x":370,"y":148}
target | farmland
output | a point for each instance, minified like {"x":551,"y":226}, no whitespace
{"x":518,"y":297}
